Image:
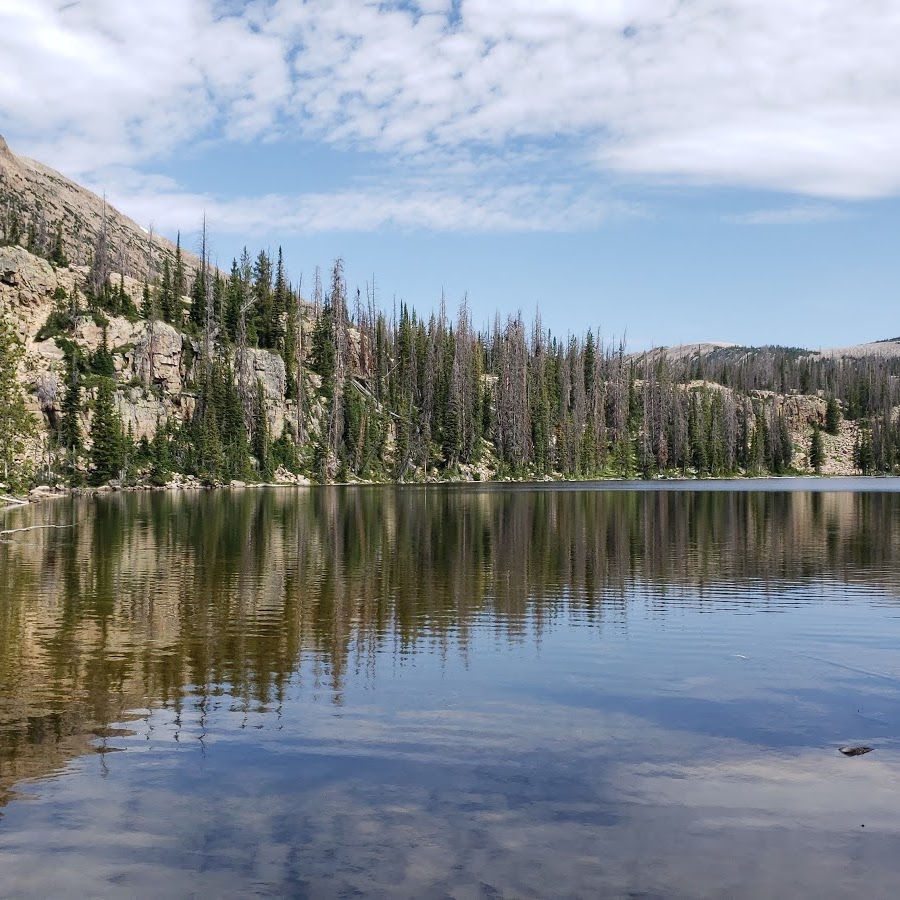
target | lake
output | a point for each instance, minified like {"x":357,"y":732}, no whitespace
{"x":617,"y":690}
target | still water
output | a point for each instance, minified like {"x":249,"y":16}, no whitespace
{"x":454,"y":692}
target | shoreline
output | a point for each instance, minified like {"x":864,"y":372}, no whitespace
{"x":43,"y":493}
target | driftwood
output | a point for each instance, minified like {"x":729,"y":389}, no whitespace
{"x":29,"y":528}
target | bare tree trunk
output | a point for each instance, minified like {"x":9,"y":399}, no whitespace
{"x":299,"y":360}
{"x":245,"y":384}
{"x":29,"y":528}
{"x":208,"y":336}
{"x":341,"y":358}
{"x":100,"y":268}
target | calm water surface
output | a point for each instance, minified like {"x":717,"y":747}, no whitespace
{"x":454,"y":692}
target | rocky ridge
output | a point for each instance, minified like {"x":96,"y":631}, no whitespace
{"x":723,"y":350}
{"x":39,"y":197}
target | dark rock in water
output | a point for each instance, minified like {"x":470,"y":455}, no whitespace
{"x":855,"y":751}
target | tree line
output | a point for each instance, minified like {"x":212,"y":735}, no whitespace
{"x":399,"y":395}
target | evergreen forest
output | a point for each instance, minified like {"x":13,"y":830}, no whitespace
{"x":397,"y":395}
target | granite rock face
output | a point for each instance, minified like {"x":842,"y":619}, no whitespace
{"x":27,"y":285}
{"x":161,"y":357}
{"x":155,"y":362}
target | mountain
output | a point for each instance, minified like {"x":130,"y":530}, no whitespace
{"x":133,"y":372}
{"x":723,"y":351}
{"x":36,"y":203}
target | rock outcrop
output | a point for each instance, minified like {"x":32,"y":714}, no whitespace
{"x":27,"y":286}
{"x":155,"y":362}
{"x":161,"y":357}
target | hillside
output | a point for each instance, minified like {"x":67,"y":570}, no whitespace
{"x":724,"y":351}
{"x":38,"y":203}
{"x":153,"y":362}
{"x":178,"y":373}
{"x":156,"y":371}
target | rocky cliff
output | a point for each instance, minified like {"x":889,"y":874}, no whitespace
{"x":154,"y":362}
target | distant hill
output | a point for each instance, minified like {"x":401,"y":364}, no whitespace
{"x":35,"y":200}
{"x":886,"y":348}
{"x":722,"y":351}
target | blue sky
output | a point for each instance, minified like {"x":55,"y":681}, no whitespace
{"x":672,"y":170}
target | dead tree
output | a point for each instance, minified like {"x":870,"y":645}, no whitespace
{"x":340,"y":336}
{"x":151,"y":353}
{"x":245,"y":384}
{"x":209,"y":331}
{"x":299,"y":358}
{"x":100,"y":266}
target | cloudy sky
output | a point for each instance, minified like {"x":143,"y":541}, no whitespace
{"x":679,"y":170}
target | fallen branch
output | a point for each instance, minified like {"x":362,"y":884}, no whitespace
{"x":29,"y":528}
{"x":367,"y":393}
{"x":16,"y":500}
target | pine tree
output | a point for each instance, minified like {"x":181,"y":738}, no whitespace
{"x":124,"y":303}
{"x":102,"y":362}
{"x":129,"y":450}
{"x":832,"y":416}
{"x":210,"y":457}
{"x":160,"y":458}
{"x":289,"y":353}
{"x":263,"y":300}
{"x":70,"y":427}
{"x":58,"y":253}
{"x":782,"y":447}
{"x":197,"y":314}
{"x":261,"y":444}
{"x":147,"y":305}
{"x":218,"y":300}
{"x":166,"y":299}
{"x":354,"y":432}
{"x":323,"y":347}
{"x":107,"y":439}
{"x":284,"y":452}
{"x":816,"y":450}
{"x":863,"y":452}
{"x":230,"y":414}
{"x":234,"y":294}
{"x":280,"y":303}
{"x":759,"y":443}
{"x":13,"y":228}
{"x":403,"y":441}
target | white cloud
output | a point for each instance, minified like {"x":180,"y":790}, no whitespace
{"x":100,"y":82}
{"x":789,"y":215}
{"x":475,"y":209}
{"x":793,"y":97}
